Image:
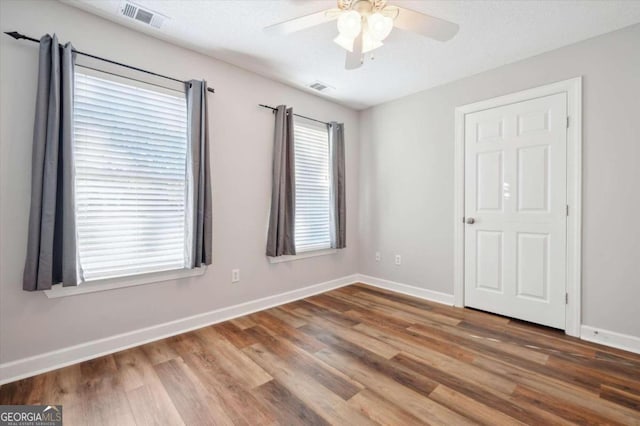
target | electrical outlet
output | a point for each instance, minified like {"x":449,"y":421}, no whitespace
{"x":398,"y":259}
{"x":377,"y":256}
{"x":235,"y":275}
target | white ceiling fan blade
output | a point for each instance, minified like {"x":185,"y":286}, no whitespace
{"x":303,"y":22}
{"x":426,"y":25}
{"x":354,"y":58}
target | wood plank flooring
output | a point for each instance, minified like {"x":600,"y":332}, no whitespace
{"x":357,"y":355}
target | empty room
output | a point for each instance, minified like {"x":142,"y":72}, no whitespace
{"x":319,"y":212}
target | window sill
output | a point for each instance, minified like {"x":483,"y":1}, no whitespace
{"x":121,"y":282}
{"x":304,"y":255}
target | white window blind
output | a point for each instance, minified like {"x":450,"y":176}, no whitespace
{"x":130,"y":151}
{"x":312,"y":186}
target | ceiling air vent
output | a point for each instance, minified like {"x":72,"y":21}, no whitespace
{"x":319,"y":86}
{"x":146,"y":16}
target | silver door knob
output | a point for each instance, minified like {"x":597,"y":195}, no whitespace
{"x":471,"y":220}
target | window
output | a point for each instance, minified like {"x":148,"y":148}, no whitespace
{"x":313,"y":199}
{"x":130,"y":150}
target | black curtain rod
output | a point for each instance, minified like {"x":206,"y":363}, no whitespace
{"x":297,"y":115}
{"x":19,"y":36}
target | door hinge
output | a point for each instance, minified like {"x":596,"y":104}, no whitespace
{"x":567,"y":121}
{"x":567,"y":209}
{"x":566,"y":298}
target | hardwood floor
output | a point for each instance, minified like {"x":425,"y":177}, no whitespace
{"x":356,"y":355}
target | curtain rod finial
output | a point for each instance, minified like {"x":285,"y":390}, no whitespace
{"x":14,"y":34}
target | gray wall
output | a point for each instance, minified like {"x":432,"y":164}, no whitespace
{"x":407,"y":174}
{"x":241,"y":142}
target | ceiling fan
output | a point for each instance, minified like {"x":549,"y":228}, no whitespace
{"x":364,"y":24}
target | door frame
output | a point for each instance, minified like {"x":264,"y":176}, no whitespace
{"x":573,"y":89}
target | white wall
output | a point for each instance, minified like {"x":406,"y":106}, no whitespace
{"x":241,"y":145}
{"x":407,"y":174}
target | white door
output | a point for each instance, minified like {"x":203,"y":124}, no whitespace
{"x":515,"y":210}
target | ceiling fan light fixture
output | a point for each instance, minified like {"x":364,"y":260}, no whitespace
{"x":344,"y":42}
{"x":350,"y":24}
{"x":369,"y":43}
{"x":379,"y":26}
{"x":364,"y":24}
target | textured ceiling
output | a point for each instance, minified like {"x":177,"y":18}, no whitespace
{"x":492,"y":33}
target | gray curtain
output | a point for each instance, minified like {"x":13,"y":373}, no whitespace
{"x":338,"y":201}
{"x":281,"y":236}
{"x":51,"y":246}
{"x":199,"y":174}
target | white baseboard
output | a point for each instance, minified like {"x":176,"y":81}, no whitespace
{"x":596,"y":335}
{"x":26,"y":367}
{"x":610,"y":338}
{"x":421,"y":293}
